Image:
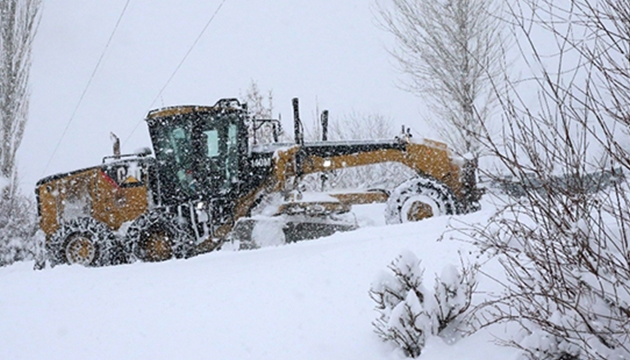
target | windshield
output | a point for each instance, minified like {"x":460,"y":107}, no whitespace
{"x":219,"y":142}
{"x":198,"y":153}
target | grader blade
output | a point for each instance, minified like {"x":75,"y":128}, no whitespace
{"x":262,"y":231}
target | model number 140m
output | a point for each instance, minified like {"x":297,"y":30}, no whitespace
{"x":261,"y":162}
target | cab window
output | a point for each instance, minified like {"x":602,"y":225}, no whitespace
{"x":212,"y":143}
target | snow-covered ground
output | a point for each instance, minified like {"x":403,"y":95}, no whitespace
{"x":306,"y":300}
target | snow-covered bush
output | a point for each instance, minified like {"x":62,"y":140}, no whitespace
{"x":408,"y":313}
{"x":17,"y":229}
{"x":565,"y":243}
{"x":401,"y":303}
{"x":540,"y":345}
{"x":453,"y":294}
{"x":568,"y":281}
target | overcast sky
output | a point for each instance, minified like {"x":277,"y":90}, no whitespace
{"x":329,"y":53}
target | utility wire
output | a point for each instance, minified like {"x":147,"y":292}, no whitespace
{"x":98,"y":63}
{"x":178,"y":66}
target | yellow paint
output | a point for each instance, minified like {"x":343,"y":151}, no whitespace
{"x":370,"y":197}
{"x":104,"y":200}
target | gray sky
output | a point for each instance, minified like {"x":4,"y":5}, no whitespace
{"x":329,"y":53}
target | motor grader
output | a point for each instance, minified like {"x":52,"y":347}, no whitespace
{"x":207,"y":178}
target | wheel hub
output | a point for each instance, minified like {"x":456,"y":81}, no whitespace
{"x":419,"y":207}
{"x":157,"y":247}
{"x":419,"y":211}
{"x":80,"y":250}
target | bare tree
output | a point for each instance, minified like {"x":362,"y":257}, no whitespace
{"x":18,"y":25}
{"x":358,"y":126}
{"x":452,"y":51}
{"x":565,"y":242}
{"x":260,"y":107}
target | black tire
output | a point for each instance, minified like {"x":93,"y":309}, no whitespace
{"x":84,"y":241}
{"x":158,"y":236}
{"x":441,"y":198}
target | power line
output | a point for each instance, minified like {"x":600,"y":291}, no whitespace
{"x":98,"y":63}
{"x":178,"y":66}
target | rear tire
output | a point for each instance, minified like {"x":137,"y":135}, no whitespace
{"x":84,"y":241}
{"x":158,"y":236}
{"x":420,"y":198}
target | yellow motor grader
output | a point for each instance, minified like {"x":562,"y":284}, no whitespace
{"x":206,"y":180}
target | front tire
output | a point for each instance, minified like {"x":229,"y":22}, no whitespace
{"x":419,"y":198}
{"x":159,"y":236}
{"x":84,"y":241}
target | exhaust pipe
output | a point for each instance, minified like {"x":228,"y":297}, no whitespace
{"x":325,"y":125}
{"x":297,"y":124}
{"x":115,"y":145}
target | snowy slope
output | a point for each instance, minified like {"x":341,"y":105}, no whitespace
{"x":307,"y":300}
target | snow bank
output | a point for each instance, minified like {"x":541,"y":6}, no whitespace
{"x":306,"y":300}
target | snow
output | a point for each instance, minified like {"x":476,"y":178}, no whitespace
{"x":4,"y":182}
{"x":311,"y":196}
{"x":268,"y":232}
{"x":307,"y":300}
{"x":450,"y":275}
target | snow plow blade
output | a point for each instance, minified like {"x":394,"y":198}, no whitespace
{"x":261,"y":231}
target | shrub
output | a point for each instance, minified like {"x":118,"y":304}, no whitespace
{"x":453,"y":294}
{"x":17,"y":230}
{"x":408,"y":313}
{"x":400,"y":301}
